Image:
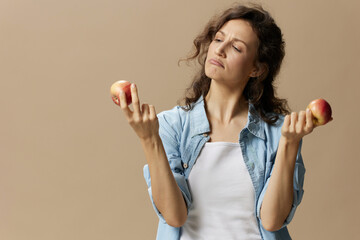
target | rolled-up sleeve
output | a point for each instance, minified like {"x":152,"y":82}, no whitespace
{"x":168,"y":124}
{"x":299,"y":174}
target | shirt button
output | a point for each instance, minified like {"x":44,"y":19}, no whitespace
{"x":252,"y":166}
{"x":185,"y":165}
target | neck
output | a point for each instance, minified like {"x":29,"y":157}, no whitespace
{"x":225,"y":104}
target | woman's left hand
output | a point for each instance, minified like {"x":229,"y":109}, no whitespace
{"x":297,"y":125}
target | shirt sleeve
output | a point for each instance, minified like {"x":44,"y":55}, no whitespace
{"x":170,"y":139}
{"x":299,"y":174}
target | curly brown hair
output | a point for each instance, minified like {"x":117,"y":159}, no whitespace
{"x":260,"y":91}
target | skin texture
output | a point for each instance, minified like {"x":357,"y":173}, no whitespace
{"x":229,"y":81}
{"x":238,"y":64}
{"x":278,"y":198}
{"x":226,"y":108}
{"x":166,"y":193}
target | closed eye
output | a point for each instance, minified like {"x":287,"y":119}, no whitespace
{"x":236,"y":49}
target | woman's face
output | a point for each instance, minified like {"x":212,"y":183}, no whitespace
{"x":231,"y":55}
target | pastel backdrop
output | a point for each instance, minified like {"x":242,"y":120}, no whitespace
{"x":71,"y":166}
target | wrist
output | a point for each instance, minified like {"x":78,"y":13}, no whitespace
{"x":153,"y":140}
{"x":290,"y":141}
{"x":289,"y":146}
{"x":287,"y":151}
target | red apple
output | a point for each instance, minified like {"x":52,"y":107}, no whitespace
{"x":115,"y":91}
{"x":321,"y":111}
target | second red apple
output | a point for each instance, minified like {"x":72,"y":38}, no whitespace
{"x":321,"y":111}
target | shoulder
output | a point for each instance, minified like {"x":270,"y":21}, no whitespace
{"x":172,"y":117}
{"x":184,"y":121}
{"x":178,"y":116}
{"x":273,"y":131}
{"x":278,"y":123}
{"x":172,"y":122}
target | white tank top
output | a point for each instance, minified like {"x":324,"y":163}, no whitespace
{"x":223,"y":196}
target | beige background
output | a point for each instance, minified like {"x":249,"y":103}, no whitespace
{"x":71,"y":166}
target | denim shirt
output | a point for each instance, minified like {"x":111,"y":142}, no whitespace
{"x":184,"y":134}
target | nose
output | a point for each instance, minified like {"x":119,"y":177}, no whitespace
{"x":220,"y":50}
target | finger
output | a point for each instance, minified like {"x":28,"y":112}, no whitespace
{"x":293,"y":122}
{"x":286,"y":123}
{"x":301,"y":120}
{"x":309,"y":120}
{"x":145,"y":111}
{"x":123,"y":104}
{"x":152,"y":115}
{"x":135,"y":100}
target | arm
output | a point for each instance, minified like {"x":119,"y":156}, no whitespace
{"x":278,"y":199}
{"x":166,"y":193}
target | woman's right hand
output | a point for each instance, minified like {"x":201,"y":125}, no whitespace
{"x":167,"y":195}
{"x":144,"y":122}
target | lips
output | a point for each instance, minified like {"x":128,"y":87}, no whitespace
{"x":216,"y":62}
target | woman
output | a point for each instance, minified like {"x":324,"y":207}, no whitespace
{"x":228,"y":165}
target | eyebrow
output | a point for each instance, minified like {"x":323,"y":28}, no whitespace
{"x":236,"y":39}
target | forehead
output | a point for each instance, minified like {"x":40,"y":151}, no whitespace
{"x":241,"y":29}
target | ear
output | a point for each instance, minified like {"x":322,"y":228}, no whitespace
{"x":258,"y":70}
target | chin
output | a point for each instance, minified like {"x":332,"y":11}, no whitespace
{"x":211,"y":72}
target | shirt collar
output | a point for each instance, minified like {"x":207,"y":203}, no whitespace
{"x":199,"y":123}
